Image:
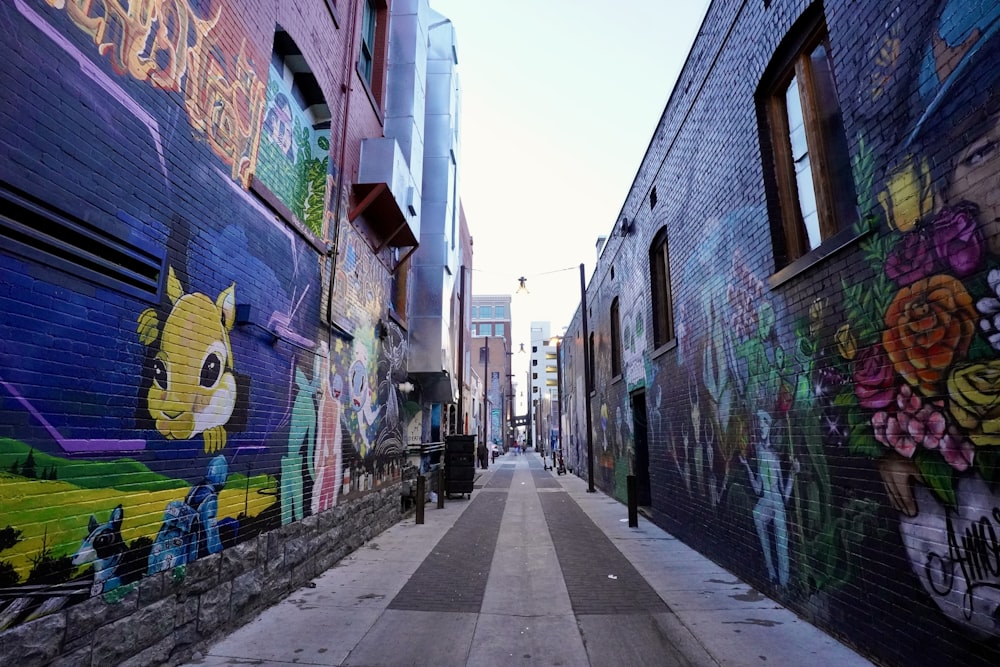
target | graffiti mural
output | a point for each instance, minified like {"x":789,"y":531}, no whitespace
{"x":293,"y":158}
{"x":175,"y":46}
{"x":190,"y":398}
{"x":830,"y":431}
{"x":191,"y":386}
{"x":919,"y":339}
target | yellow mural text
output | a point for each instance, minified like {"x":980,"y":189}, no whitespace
{"x":165,"y":43}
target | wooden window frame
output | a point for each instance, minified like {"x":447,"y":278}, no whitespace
{"x":366,"y":53}
{"x":616,"y":339}
{"x":662,"y":295}
{"x":372,"y":51}
{"x":793,"y":61}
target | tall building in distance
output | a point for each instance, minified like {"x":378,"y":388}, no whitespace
{"x":543,"y":376}
{"x":491,"y":316}
{"x":492,"y":350}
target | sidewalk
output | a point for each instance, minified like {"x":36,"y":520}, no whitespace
{"x":532,"y":570}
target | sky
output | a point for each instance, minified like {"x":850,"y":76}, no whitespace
{"x":560,"y":99}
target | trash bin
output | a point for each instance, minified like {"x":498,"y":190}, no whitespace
{"x":459,"y":464}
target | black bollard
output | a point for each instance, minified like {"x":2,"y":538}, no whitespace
{"x":441,"y":487}
{"x":633,"y":504}
{"x":421,"y":499}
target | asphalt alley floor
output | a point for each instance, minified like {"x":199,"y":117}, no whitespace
{"x":531,"y":570}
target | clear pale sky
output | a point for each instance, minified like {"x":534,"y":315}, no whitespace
{"x":560,"y":99}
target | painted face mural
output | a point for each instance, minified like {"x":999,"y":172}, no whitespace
{"x":921,"y":341}
{"x":193,"y":389}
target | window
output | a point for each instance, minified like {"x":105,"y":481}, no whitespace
{"x":482,"y":355}
{"x":616,"y":340}
{"x":290,"y":173}
{"x":811,"y":193}
{"x":485,"y":329}
{"x":500,"y":312}
{"x":371,"y":58}
{"x":659,"y":280}
{"x":534,"y":376}
{"x":534,"y":362}
{"x":485,"y":311}
{"x":474,"y":312}
{"x":366,"y":63}
{"x":499,"y":329}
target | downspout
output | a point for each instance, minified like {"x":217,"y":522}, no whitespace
{"x":461,"y":351}
{"x":346,"y":88}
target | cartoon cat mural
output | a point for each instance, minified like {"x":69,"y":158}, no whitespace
{"x":192,"y":387}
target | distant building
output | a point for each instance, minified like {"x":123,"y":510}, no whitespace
{"x":543,"y":380}
{"x":491,"y":339}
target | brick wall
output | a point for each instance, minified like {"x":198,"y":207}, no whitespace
{"x":179,"y":428}
{"x":868,"y":502}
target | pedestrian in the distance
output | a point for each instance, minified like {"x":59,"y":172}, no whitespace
{"x":481,"y":455}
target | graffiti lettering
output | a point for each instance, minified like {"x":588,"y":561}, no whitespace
{"x":976,"y":553}
{"x":165,"y":43}
{"x":227,"y":110}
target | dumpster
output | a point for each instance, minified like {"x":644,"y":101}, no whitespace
{"x":459,"y":464}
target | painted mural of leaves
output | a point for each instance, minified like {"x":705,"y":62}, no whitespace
{"x":857,"y":317}
{"x":314,"y":204}
{"x":861,"y":438}
{"x":863,"y":168}
{"x":988,"y":463}
{"x":938,"y":475}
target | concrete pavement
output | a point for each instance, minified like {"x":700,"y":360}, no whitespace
{"x":532,"y":570}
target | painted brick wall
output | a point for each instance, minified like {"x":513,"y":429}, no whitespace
{"x":868,"y":503}
{"x":150,"y":423}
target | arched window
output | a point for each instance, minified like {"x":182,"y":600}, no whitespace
{"x":661,"y":295}
{"x":616,"y":339}
{"x":810,"y":190}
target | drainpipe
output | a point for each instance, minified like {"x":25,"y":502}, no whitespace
{"x":346,"y":88}
{"x":461,"y":350}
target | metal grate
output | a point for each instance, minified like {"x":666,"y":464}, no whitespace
{"x":39,"y":232}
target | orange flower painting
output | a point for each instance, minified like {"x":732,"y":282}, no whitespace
{"x":929,"y":326}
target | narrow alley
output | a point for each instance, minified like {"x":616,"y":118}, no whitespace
{"x":532,"y":570}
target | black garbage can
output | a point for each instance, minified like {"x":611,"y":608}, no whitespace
{"x":459,"y":464}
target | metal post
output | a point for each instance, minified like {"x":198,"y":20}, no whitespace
{"x":588,"y":381}
{"x":486,"y":389}
{"x":441,"y":486}
{"x":461,"y":352}
{"x":633,"y":503}
{"x":559,"y":424}
{"x":421,"y":498}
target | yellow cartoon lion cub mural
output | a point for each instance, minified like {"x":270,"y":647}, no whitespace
{"x":193,"y":388}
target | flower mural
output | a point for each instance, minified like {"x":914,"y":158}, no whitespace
{"x":929,"y":325}
{"x":918,"y":390}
